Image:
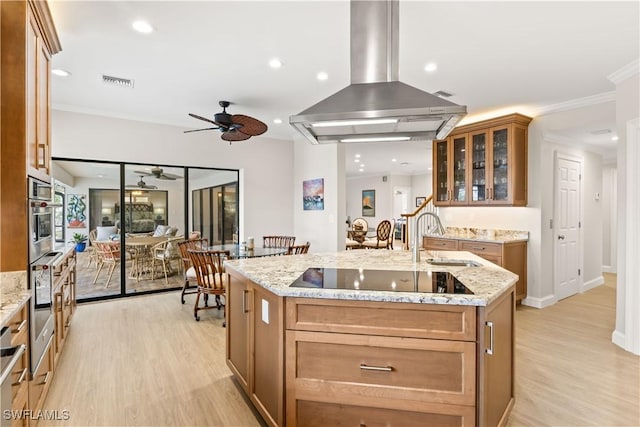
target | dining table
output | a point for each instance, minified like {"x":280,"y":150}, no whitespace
{"x":239,"y":251}
{"x":139,"y":249}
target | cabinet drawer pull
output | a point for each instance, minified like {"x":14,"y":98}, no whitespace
{"x":20,"y":326}
{"x":244,"y":301}
{"x":46,"y":378}
{"x":490,"y":349}
{"x":42,"y":160}
{"x":478,"y":248}
{"x":23,"y":374}
{"x":365,"y":367}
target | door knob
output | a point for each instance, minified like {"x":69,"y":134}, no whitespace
{"x":560,"y":236}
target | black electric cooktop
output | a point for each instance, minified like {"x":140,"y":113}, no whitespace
{"x":380,"y":280}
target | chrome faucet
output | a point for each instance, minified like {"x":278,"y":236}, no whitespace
{"x":416,"y":244}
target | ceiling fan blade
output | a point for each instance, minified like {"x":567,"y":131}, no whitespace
{"x":167,"y":175}
{"x":145,"y":173}
{"x":195,"y":116}
{"x":198,"y":130}
{"x":235,"y":135}
{"x":250,"y":125}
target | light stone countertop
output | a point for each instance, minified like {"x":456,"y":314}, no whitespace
{"x":483,"y":235}
{"x":14,"y":294}
{"x":275,"y":274}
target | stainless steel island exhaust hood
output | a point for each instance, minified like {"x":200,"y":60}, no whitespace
{"x":376,"y":106}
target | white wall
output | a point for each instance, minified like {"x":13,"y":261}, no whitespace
{"x":266,"y":165}
{"x":609,"y":218}
{"x":324,"y":229}
{"x":383,"y":202}
{"x":422,"y":185}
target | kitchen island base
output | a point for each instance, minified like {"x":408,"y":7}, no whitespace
{"x":337,"y":361}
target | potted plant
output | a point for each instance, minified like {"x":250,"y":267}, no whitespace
{"x":80,"y":241}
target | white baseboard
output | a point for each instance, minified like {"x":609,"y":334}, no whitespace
{"x":539,"y":302}
{"x":608,"y":269}
{"x":619,"y":339}
{"x":592,"y":283}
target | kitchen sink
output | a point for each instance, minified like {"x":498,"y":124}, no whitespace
{"x":453,"y":262}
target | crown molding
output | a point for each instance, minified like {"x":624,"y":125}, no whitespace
{"x":625,"y":72}
{"x":573,"y":104}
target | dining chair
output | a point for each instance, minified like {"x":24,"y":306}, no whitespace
{"x":211,"y":278}
{"x":93,"y":255}
{"x":162,"y":254}
{"x":109,"y":254}
{"x":278,"y":241}
{"x":298,"y":249}
{"x":381,"y":241}
{"x":187,"y":268}
{"x":392,"y":233}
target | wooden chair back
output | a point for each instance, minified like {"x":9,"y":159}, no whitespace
{"x":209,"y":269}
{"x":298,"y":249}
{"x":108,"y":252}
{"x":360,"y":224}
{"x":384,"y":230}
{"x":278,"y":241}
{"x":185,"y":245}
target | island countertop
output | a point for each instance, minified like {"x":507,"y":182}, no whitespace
{"x":275,"y":274}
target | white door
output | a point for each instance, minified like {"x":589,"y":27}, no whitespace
{"x":567,"y":226}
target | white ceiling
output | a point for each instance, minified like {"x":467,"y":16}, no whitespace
{"x":493,"y":56}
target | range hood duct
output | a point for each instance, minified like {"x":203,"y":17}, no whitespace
{"x":376,"y":106}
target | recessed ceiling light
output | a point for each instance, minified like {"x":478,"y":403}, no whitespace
{"x":361,"y":170}
{"x":394,"y":160}
{"x":357,"y":160}
{"x":142,"y":27}
{"x":275,"y":63}
{"x":277,"y":121}
{"x":362,"y":165}
{"x":322,"y":76}
{"x":59,"y":72}
{"x":357,"y":156}
{"x":430,"y":67}
{"x":614,"y":138}
{"x":429,"y":169}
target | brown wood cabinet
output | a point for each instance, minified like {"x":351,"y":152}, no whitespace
{"x":64,"y":298}
{"x":255,"y":345}
{"x":28,"y":41}
{"x":417,"y":364}
{"x":509,"y":255}
{"x":482,"y":163}
{"x":19,"y":325}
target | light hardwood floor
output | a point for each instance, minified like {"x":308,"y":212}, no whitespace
{"x":144,"y":361}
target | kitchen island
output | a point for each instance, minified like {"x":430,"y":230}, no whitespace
{"x":438,"y":352}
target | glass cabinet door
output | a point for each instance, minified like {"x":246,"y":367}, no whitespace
{"x":479,"y":170}
{"x":500,"y":164}
{"x":459,"y":169}
{"x":440,"y":165}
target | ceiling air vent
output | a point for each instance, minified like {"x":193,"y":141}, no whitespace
{"x":117,"y":81}
{"x":443,"y":94}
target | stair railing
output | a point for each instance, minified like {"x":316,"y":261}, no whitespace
{"x":428,"y":223}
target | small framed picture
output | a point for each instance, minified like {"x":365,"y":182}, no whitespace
{"x":420,"y":201}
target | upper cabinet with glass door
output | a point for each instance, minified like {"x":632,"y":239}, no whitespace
{"x":492,"y":167}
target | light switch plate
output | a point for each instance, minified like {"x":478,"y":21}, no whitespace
{"x":265,"y":311}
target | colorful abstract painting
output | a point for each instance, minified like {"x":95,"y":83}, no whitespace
{"x":368,"y":202}
{"x":313,"y":194}
{"x":76,"y":211}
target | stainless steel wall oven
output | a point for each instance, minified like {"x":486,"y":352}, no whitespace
{"x":40,"y":219}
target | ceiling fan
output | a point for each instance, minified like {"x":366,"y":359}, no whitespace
{"x":237,"y":127}
{"x":141,"y":184}
{"x":159,"y":173}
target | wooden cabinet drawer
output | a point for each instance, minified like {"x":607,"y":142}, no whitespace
{"x":365,"y":370}
{"x":434,"y":243}
{"x":39,"y":384}
{"x":318,"y":414}
{"x":481,"y":248}
{"x":385,"y":319}
{"x":19,"y":325}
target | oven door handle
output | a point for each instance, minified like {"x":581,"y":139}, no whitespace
{"x":12,"y":363}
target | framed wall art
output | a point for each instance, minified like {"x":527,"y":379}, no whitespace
{"x":420,"y":201}
{"x":313,"y":194}
{"x":368,"y":202}
{"x":76,"y":211}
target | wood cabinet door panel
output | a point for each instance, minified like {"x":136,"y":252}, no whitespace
{"x":384,"y":319}
{"x":481,"y":248}
{"x":365,"y":369}
{"x":237,"y":312}
{"x":319,"y":414}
